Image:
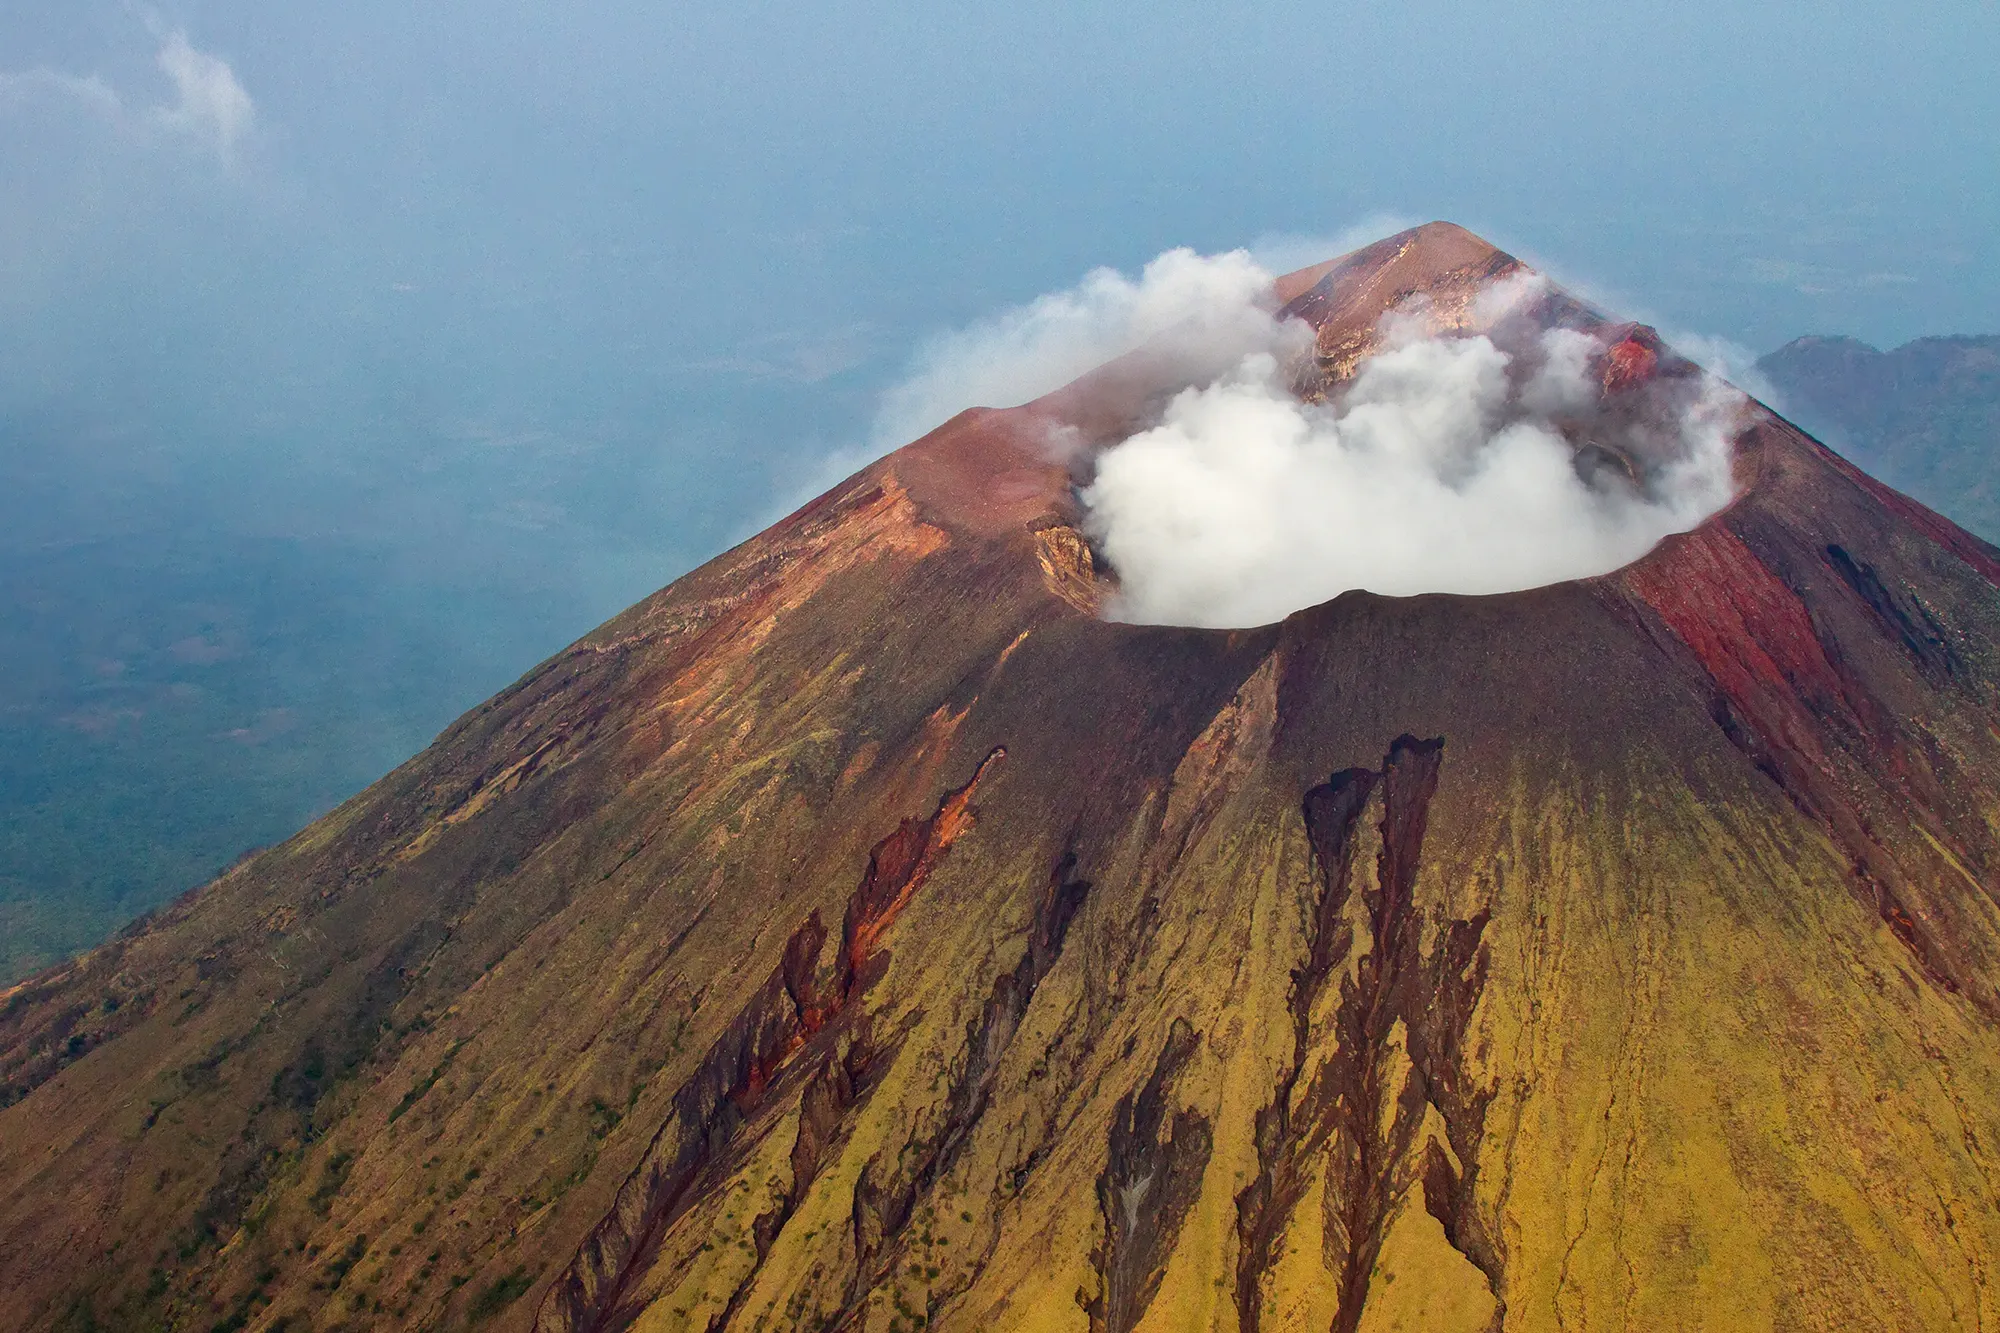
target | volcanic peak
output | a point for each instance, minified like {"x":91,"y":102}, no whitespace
{"x":1619,"y":951}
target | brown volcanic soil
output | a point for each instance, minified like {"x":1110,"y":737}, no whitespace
{"x":859,"y":934}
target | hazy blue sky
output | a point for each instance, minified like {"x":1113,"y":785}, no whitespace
{"x":486,"y":271}
{"x":494,"y":316}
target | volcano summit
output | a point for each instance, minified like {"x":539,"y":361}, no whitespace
{"x":865,"y":932}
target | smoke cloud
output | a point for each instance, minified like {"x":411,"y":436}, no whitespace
{"x":1207,"y":308}
{"x":1441,"y":470}
{"x":1196,"y":314}
{"x":1459,"y":462}
{"x":1481,"y":458}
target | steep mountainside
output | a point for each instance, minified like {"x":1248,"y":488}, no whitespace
{"x":1925,"y":417}
{"x":861,"y":934}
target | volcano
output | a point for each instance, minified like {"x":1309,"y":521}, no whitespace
{"x":865,"y":933}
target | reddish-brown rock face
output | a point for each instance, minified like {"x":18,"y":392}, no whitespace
{"x":861,"y":934}
{"x":1631,"y":359}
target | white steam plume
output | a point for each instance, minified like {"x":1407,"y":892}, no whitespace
{"x":1200,"y":305}
{"x":1461,"y":462}
{"x":1206,"y":311}
{"x":1477,"y":460}
{"x":1445,"y":467}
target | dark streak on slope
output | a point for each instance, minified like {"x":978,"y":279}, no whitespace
{"x":833,"y":1091}
{"x":882,"y":1208}
{"x":1331,"y":811}
{"x":731,"y":1082}
{"x":1903,"y":618}
{"x":1146,"y":1189}
{"x":1338,"y":1122}
{"x":707,"y":1111}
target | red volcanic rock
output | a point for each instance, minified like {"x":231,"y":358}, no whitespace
{"x":1631,"y":360}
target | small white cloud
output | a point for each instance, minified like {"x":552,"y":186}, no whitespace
{"x":1806,"y":279}
{"x":210,"y":104}
{"x":91,"y":92}
{"x":209,"y":107}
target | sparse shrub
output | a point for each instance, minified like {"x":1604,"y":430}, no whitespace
{"x":500,"y":1295}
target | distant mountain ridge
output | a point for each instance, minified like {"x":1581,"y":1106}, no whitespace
{"x":1924,"y":417}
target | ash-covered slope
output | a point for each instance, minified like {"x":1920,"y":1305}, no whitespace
{"x":861,"y":934}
